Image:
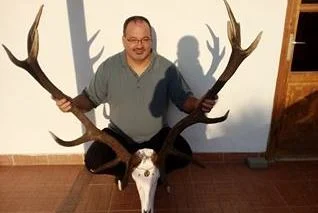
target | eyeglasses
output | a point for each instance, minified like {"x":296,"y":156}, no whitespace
{"x":136,"y":41}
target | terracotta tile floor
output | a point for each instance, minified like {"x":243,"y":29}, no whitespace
{"x":290,"y":187}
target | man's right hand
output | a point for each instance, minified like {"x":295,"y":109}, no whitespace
{"x":63,"y":104}
{"x":81,"y":102}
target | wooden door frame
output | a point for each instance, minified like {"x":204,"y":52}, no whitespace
{"x":291,"y":21}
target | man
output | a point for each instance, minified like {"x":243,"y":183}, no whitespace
{"x":138,"y":85}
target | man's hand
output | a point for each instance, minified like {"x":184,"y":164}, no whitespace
{"x":192,"y":103}
{"x":63,"y":104}
{"x":81,"y":102}
{"x":208,"y":104}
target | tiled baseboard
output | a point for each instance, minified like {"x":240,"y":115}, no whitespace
{"x":50,"y":159}
{"x":228,"y":157}
{"x":78,"y":159}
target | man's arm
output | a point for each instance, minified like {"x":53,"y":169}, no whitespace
{"x":192,"y":102}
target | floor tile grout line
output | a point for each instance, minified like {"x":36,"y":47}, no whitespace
{"x":111,"y":197}
{"x":73,"y":198}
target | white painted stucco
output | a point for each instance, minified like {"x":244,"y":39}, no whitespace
{"x":27,"y":112}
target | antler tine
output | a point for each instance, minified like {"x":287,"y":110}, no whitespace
{"x":254,"y":44}
{"x":75,"y":142}
{"x":33,"y":36}
{"x":197,"y":116}
{"x":12,"y":58}
{"x":233,"y":27}
{"x":234,"y":33}
{"x":33,"y":45}
{"x":32,"y":66}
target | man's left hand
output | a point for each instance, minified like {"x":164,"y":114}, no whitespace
{"x":208,"y":104}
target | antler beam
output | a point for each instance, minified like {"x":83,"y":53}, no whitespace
{"x":197,"y":116}
{"x":31,"y":65}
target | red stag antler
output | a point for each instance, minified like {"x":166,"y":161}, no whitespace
{"x":197,"y":116}
{"x":32,"y":66}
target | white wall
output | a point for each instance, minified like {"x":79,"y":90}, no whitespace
{"x":27,"y":112}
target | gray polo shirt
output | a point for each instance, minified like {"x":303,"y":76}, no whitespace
{"x":138,"y":104}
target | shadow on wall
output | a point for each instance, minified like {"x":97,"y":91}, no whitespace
{"x":246,"y":133}
{"x":83,"y":63}
{"x":242,"y":134}
{"x":199,"y":81}
{"x":188,"y":62}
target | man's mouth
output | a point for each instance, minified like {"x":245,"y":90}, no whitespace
{"x":139,"y":51}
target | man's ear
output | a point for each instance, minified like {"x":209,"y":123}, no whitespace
{"x":123,"y":40}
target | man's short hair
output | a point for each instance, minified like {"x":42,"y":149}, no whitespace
{"x":135,"y":19}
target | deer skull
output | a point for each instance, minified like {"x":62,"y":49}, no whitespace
{"x":146,"y":176}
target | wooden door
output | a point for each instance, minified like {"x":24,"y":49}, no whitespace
{"x":294,"y":127}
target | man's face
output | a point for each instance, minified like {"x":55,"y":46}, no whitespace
{"x":137,"y":40}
